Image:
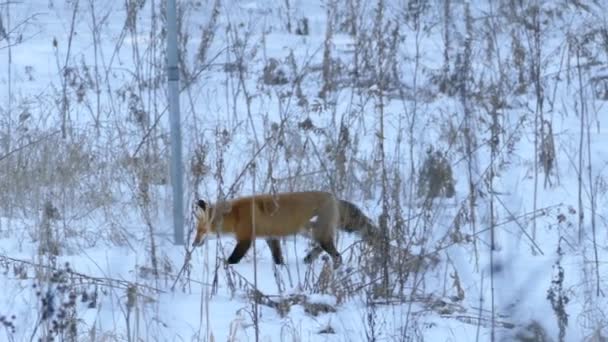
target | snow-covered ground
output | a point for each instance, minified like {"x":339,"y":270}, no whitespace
{"x":85,"y":145}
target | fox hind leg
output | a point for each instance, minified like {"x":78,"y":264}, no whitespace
{"x":323,"y":233}
{"x":313,"y":254}
{"x":330,"y":248}
{"x":275,"y":249}
{"x":239,"y":251}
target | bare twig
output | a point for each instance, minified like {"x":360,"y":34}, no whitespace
{"x":102,"y":281}
{"x":18,"y":149}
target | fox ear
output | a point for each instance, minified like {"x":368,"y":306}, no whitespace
{"x":202,"y":204}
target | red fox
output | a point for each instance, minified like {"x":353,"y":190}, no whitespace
{"x":280,"y":215}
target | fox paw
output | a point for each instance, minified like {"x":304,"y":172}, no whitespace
{"x":308,"y":259}
{"x":337,"y":261}
{"x":232,"y":260}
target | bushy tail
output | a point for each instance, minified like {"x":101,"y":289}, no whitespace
{"x":353,"y":220}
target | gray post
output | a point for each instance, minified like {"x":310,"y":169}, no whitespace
{"x":176,"y":137}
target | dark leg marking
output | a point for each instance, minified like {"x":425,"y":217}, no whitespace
{"x":313,"y":254}
{"x":330,"y":248}
{"x":275,"y":249}
{"x":239,"y":251}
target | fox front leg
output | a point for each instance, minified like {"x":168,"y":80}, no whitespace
{"x":275,"y":249}
{"x":239,"y":251}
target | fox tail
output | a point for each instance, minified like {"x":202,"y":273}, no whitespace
{"x":353,"y":220}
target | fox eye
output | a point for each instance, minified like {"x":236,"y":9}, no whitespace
{"x":202,"y":204}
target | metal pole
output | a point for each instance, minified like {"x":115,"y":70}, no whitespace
{"x":176,"y":137}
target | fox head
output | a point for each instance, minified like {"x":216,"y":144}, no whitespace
{"x":210,"y":219}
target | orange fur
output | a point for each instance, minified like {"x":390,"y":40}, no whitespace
{"x":279,"y":215}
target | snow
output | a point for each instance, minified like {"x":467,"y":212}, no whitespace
{"x":95,"y":178}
